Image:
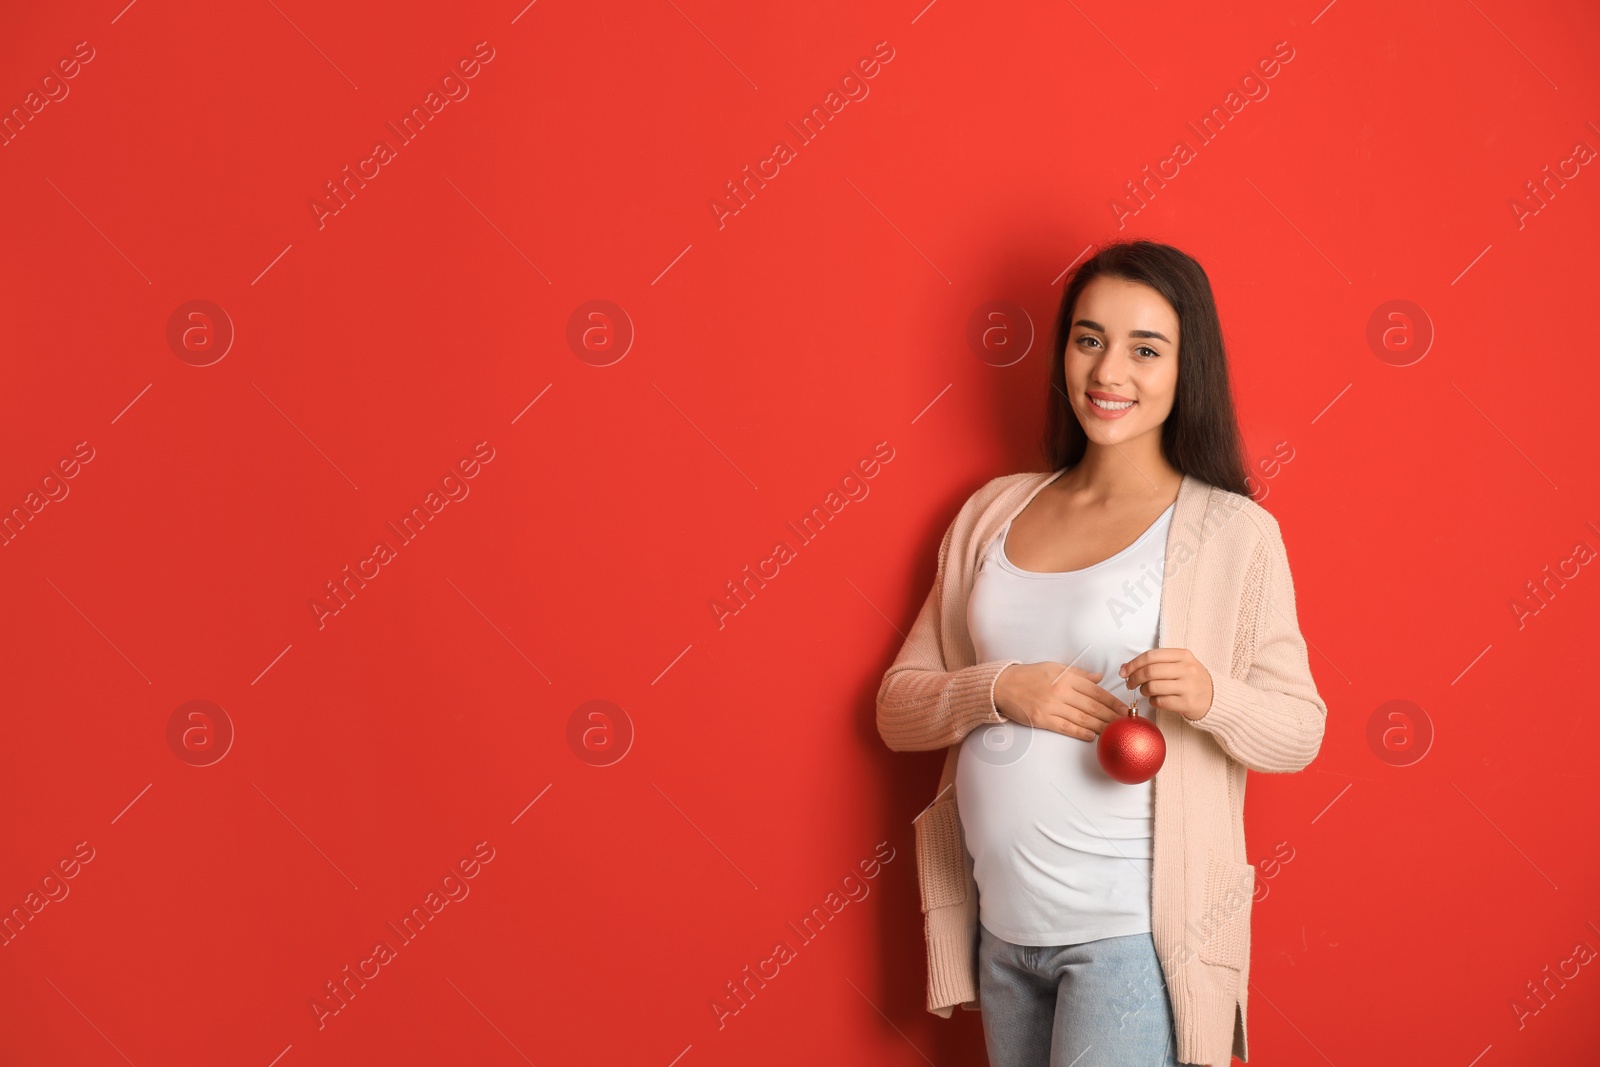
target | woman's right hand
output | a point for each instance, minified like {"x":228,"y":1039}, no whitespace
{"x":1054,"y":696}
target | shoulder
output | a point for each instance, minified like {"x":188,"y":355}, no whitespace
{"x":1263,"y":544}
{"x":995,"y":488}
{"x":986,"y":499}
{"x":1246,"y":525}
{"x":1265,"y":523}
{"x":996,"y":491}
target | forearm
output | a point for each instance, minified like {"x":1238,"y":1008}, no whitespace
{"x":1273,"y":719}
{"x":1268,"y":731}
{"x":922,"y":708}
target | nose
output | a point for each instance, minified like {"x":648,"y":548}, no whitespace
{"x":1111,"y":368}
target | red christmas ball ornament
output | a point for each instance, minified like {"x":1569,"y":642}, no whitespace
{"x":1131,"y":749}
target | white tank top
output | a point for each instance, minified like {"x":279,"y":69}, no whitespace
{"x":1061,"y":850}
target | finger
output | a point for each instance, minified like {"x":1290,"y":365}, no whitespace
{"x":1098,"y":703}
{"x":1108,"y":703}
{"x":1141,"y":675}
{"x":1154,"y":658}
{"x":1154,"y":655}
{"x":1091,"y":721}
{"x":1096,"y":695}
{"x":1063,"y":725}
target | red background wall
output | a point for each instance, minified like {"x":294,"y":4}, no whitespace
{"x":1441,"y":461}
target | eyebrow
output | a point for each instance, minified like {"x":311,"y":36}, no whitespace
{"x":1092,"y":325}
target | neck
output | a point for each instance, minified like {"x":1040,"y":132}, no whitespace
{"x":1131,"y":469}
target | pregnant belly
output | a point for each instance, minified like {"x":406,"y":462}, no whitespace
{"x":1042,"y":794}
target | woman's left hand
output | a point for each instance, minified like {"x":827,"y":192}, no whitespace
{"x":1171,"y":679}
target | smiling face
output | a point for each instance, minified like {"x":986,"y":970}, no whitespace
{"x":1121,"y":360}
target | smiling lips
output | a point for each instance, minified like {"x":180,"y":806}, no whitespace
{"x":1109,"y":405}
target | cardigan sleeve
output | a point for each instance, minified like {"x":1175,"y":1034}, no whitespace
{"x":923,"y":706}
{"x":1271,"y":721}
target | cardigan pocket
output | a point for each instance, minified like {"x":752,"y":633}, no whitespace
{"x":1230,"y":885}
{"x":940,"y":859}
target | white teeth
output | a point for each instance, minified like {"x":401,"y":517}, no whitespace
{"x":1109,"y":405}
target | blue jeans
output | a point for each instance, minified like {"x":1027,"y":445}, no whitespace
{"x":1097,"y":1004}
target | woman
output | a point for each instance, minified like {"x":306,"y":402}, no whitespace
{"x":1096,"y":923}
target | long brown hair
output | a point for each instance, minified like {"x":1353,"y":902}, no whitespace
{"x":1200,"y":437}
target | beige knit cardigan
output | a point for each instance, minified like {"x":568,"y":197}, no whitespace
{"x":1226,"y":596}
